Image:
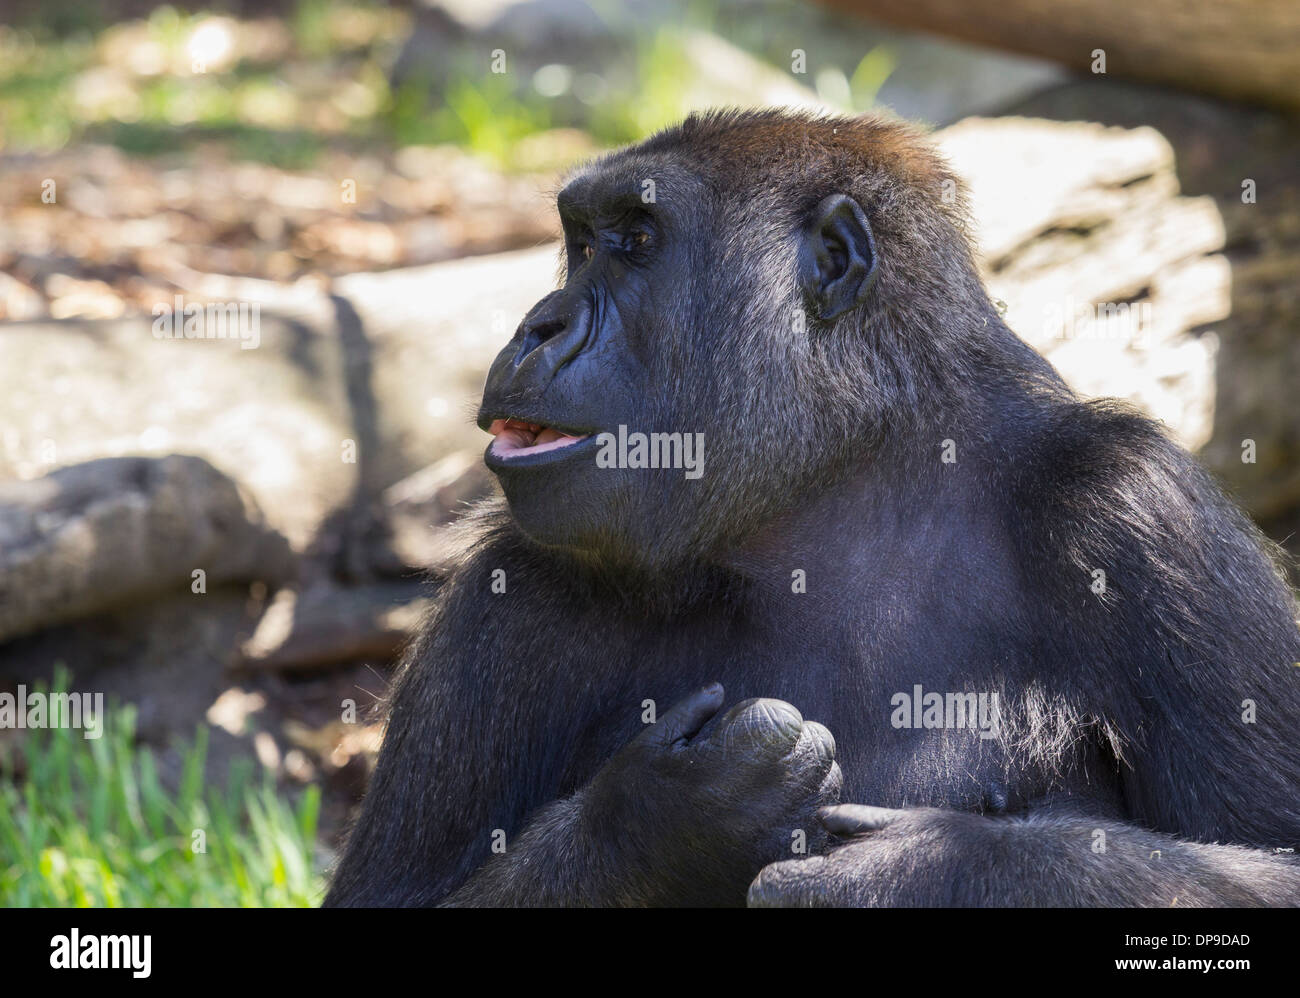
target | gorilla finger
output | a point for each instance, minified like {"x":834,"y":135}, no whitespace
{"x":816,"y":739}
{"x":787,"y":884}
{"x":831,"y":788}
{"x":761,"y":723}
{"x":846,"y":820}
{"x":686,"y":717}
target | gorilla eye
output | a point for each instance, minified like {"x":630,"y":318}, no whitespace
{"x":635,"y":239}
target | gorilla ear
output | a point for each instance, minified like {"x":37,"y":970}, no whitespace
{"x":837,"y":262}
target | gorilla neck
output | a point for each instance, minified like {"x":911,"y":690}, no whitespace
{"x":908,"y":511}
{"x":843,"y":533}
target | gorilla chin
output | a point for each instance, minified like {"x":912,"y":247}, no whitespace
{"x":557,"y":495}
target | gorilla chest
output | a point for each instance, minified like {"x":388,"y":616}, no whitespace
{"x":856,"y":681}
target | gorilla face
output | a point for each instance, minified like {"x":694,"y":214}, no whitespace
{"x":618,"y":389}
{"x":581,"y":366}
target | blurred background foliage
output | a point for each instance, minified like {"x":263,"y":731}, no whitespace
{"x":282,"y":86}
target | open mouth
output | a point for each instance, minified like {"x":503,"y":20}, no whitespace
{"x":515,"y":438}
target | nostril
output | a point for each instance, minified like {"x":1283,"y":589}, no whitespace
{"x":537,"y":332}
{"x":541,"y":331}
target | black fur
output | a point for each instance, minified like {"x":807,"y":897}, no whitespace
{"x":1122,"y":756}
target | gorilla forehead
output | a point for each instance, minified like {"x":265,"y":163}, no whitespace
{"x":800,"y":158}
{"x":769,"y":164}
{"x":617,"y":182}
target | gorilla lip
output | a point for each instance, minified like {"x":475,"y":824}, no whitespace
{"x":516,"y":438}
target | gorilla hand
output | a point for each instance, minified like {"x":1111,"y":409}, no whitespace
{"x":694,"y":816}
{"x":860,"y":873}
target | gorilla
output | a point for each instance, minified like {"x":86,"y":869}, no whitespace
{"x":770,"y":455}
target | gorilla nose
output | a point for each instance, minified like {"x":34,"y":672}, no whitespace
{"x":550,"y":337}
{"x":538,"y":331}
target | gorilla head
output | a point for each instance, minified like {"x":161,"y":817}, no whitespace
{"x":762,"y":325}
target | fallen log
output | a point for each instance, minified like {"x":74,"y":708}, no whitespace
{"x":1244,"y":49}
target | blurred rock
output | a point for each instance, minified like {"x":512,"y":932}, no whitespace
{"x":275,"y":418}
{"x":113,"y":531}
{"x":432,"y":333}
{"x":1103,"y":267}
{"x":18,"y":301}
{"x":328,"y":625}
{"x":167,"y":655}
{"x":1245,"y":161}
{"x":722,"y":74}
{"x":345,"y":393}
{"x":531,"y":33}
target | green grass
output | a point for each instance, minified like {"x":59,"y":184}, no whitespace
{"x":91,"y":825}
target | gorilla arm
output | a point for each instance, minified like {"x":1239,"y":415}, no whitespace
{"x":927,"y":857}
